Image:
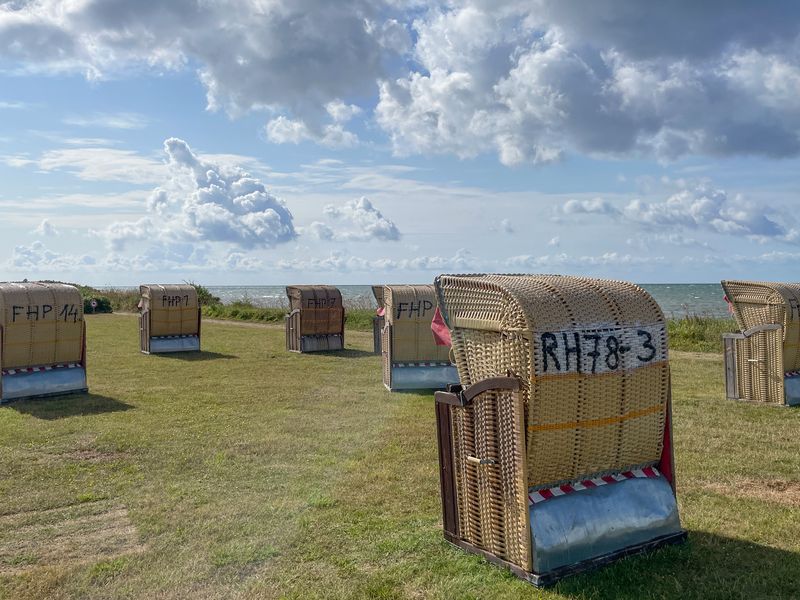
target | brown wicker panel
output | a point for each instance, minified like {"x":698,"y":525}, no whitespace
{"x":42,"y":324}
{"x":321,"y":308}
{"x":321,"y":321}
{"x":313,"y":296}
{"x":172,"y":309}
{"x":410,"y":310}
{"x":492,"y":498}
{"x":579,"y":422}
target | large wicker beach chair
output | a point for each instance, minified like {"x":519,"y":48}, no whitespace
{"x":42,"y":340}
{"x":762,"y":361}
{"x":555,"y":450}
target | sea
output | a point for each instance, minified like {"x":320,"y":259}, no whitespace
{"x":676,"y":299}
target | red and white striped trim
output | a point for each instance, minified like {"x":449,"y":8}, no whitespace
{"x":39,"y":369}
{"x":421,"y":364}
{"x":561,"y":490}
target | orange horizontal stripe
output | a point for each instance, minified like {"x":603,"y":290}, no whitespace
{"x":634,"y":414}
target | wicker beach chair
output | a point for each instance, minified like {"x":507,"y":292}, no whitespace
{"x":411,"y":358}
{"x":762,"y":361}
{"x":316,"y":318}
{"x":555,"y":450}
{"x":42,"y":340}
{"x":170,"y":319}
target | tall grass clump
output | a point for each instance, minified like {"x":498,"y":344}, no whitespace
{"x":698,"y":333}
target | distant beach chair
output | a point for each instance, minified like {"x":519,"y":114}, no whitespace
{"x":42,"y":340}
{"x":316,"y":318}
{"x":555,"y":450}
{"x":411,"y":358}
{"x":169,"y":319}
{"x":762,"y":361}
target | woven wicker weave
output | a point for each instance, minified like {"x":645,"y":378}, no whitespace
{"x":764,"y":356}
{"x":321,"y":306}
{"x":409,"y":311}
{"x":172,"y":309}
{"x":598,"y":409}
{"x":42,"y":324}
{"x":492,"y":498}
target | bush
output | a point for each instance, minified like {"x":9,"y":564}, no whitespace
{"x":204,"y":296}
{"x":359,"y":319}
{"x":103,"y":305}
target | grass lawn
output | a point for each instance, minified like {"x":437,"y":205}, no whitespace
{"x":250,"y":472}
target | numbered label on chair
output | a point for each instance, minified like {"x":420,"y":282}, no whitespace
{"x":596,"y":350}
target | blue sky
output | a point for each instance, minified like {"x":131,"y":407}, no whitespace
{"x":261,"y":142}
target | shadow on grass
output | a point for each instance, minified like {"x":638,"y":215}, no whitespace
{"x":196,"y":356}
{"x":73,"y":405}
{"x":416,"y":391}
{"x":346,"y":353}
{"x":707,"y":566}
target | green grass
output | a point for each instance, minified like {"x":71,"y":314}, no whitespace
{"x":250,"y":472}
{"x":356,"y":319}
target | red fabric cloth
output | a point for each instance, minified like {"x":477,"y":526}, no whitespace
{"x":441,"y":334}
{"x":730,"y":304}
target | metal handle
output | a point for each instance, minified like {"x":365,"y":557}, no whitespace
{"x":481,"y":461}
{"x":458,"y":396}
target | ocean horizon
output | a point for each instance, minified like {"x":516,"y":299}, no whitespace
{"x":675,"y":299}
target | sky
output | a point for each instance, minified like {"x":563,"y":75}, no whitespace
{"x":247,"y":142}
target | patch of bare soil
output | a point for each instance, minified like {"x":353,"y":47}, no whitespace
{"x":92,"y":455}
{"x":83,"y":533}
{"x":780,"y":491}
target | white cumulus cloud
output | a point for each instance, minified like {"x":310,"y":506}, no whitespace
{"x":204,"y":202}
{"x":46,"y":229}
{"x":529,"y":81}
{"x":37,"y":257}
{"x":462,"y":261}
{"x":697,"y":206}
{"x":356,"y":220}
{"x":282,"y":130}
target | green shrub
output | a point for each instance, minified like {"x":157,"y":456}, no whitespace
{"x":103,"y":305}
{"x":204,"y":296}
{"x":359,"y":319}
